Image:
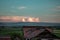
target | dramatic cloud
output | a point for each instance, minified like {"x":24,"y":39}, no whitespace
{"x":18,"y":19}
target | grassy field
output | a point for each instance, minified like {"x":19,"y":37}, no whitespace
{"x":57,"y":32}
{"x":11,"y":31}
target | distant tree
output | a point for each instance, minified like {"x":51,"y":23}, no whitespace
{"x":2,"y":27}
{"x":0,"y":30}
{"x":16,"y":36}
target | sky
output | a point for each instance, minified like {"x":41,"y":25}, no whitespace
{"x":46,"y":10}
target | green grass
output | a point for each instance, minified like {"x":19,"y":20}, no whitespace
{"x":11,"y":31}
{"x":57,"y":32}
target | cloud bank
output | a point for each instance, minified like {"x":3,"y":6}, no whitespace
{"x":18,"y":19}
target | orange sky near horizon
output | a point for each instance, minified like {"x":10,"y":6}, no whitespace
{"x":18,"y":19}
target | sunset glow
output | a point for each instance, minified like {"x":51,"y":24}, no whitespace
{"x":18,"y":19}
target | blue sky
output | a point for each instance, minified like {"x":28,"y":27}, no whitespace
{"x":46,"y":10}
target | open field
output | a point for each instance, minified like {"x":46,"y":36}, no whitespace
{"x":57,"y":32}
{"x":19,"y":31}
{"x":11,"y":31}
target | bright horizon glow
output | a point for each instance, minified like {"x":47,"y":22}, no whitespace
{"x":42,"y":10}
{"x":18,"y":19}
